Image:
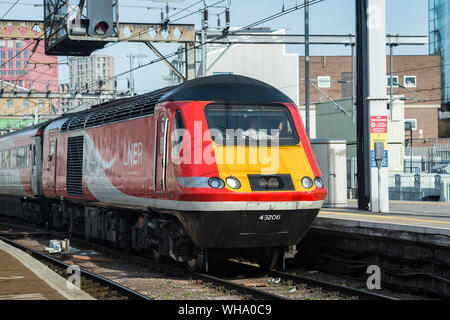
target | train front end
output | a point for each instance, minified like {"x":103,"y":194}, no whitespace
{"x":245,"y":172}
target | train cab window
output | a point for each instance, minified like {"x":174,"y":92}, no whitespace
{"x":241,"y":124}
{"x":13,"y":159}
{"x":177,"y":131}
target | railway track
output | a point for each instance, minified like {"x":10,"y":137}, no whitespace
{"x":103,"y":282}
{"x":217,"y":282}
{"x":327,"y":286}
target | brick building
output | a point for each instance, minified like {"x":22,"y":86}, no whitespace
{"x":417,"y":79}
{"x":24,"y":66}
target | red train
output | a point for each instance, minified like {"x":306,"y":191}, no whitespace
{"x":219,"y":165}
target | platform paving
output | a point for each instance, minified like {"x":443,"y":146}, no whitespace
{"x":24,"y":278}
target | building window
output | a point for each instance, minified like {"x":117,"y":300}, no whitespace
{"x":41,"y":103}
{"x":10,"y":54}
{"x":10,"y":44}
{"x":2,"y":43}
{"x":17,"y":44}
{"x":3,"y":55}
{"x":410,"y":81}
{"x":324,"y":82}
{"x":394,"y":81}
{"x":10,"y":103}
{"x":26,"y":104}
{"x":413,"y":123}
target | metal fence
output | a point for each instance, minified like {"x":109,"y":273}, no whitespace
{"x":426,"y":166}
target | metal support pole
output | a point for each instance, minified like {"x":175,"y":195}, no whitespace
{"x":362,"y":114}
{"x":353,"y":85}
{"x":131,"y":75}
{"x":307,"y":68}
{"x":204,"y":37}
{"x":391,"y":63}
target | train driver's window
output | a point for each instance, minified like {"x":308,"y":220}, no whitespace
{"x":177,"y":132}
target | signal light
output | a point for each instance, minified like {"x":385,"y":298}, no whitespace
{"x":101,"y":28}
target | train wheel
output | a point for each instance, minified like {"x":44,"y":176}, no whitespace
{"x":268,"y":262}
{"x":196,"y":263}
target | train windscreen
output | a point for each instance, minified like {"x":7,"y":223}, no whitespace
{"x":248,"y":124}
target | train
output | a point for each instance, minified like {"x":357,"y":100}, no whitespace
{"x":219,"y":166}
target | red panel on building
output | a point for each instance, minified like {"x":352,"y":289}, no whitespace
{"x":32,"y":71}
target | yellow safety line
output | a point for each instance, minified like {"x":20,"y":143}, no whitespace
{"x":384,"y":217}
{"x":413,"y":202}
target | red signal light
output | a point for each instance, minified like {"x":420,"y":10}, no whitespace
{"x":101,"y":28}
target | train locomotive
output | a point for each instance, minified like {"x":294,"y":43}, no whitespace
{"x":217,"y":166}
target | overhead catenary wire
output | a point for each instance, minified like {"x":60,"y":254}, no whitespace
{"x":269,"y":18}
{"x":10,"y":8}
{"x":264,"y":20}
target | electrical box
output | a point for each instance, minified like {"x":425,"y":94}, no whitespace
{"x":379,"y":151}
{"x":332,"y":159}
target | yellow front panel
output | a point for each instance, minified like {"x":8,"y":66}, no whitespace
{"x":239,"y":161}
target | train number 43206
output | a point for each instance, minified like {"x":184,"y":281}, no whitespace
{"x":270,"y":217}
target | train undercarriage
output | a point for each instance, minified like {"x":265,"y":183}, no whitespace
{"x":158,"y":235}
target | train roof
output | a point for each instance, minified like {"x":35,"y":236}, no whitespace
{"x":226,"y":88}
{"x":219,"y":88}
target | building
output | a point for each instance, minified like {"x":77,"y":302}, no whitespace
{"x":24,"y":67}
{"x":92,"y":73}
{"x":265,"y":62}
{"x":439,"y":43}
{"x":18,"y":113}
{"x":416,"y":80}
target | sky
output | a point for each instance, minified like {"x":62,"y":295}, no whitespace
{"x":404,"y":17}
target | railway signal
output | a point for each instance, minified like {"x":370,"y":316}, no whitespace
{"x":100,"y":17}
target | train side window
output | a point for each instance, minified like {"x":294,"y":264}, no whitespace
{"x":34,"y":155}
{"x":51,"y":156}
{"x":13,"y":159}
{"x":21,"y":157}
{"x":162,"y":124}
{"x":177,"y":130}
{"x":5,"y":162}
{"x":1,"y":160}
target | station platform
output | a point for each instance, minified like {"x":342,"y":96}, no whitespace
{"x":418,"y":221}
{"x":24,"y":278}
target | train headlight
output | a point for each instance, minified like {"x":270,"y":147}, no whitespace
{"x":216,"y":183}
{"x":273,"y":183}
{"x":318,"y":182}
{"x":233,"y":183}
{"x":262,"y":183}
{"x":307,"y":182}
